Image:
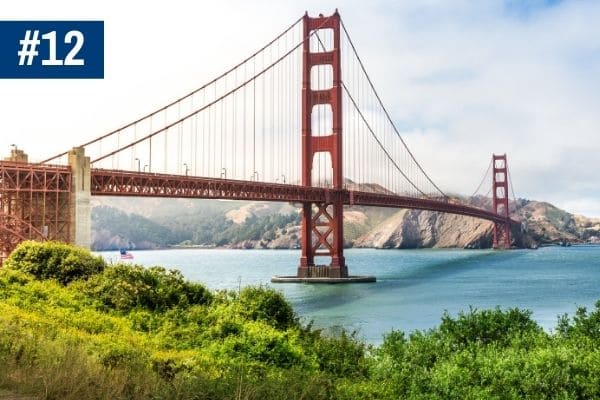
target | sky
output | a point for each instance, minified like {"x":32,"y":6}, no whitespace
{"x":461,"y":79}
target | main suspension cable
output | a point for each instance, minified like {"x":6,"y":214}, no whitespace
{"x":234,"y":90}
{"x":379,"y":142}
{"x":183,"y":97}
{"x":482,"y":179}
{"x":385,"y":110}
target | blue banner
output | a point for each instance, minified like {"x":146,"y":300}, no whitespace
{"x":52,"y":49}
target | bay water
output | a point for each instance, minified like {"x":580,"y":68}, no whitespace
{"x":413,"y":288}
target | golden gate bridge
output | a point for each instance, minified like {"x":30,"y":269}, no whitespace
{"x":298,"y":121}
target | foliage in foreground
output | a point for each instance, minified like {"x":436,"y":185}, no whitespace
{"x":78,"y":329}
{"x":54,"y":260}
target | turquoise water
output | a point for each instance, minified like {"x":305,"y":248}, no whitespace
{"x":413,"y":287}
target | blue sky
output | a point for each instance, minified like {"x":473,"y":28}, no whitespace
{"x":527,"y":8}
{"x":462,"y":79}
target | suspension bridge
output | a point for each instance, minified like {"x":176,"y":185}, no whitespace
{"x":298,"y":121}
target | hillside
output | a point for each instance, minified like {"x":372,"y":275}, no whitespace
{"x":156,"y":223}
{"x":209,"y":224}
{"x":543,"y":224}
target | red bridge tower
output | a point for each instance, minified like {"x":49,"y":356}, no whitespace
{"x":322,"y":223}
{"x":500,"y":200}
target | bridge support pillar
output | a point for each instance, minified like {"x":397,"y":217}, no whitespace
{"x":80,"y":209}
{"x":322,"y":236}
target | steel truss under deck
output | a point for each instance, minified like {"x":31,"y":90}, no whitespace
{"x":35,"y":203}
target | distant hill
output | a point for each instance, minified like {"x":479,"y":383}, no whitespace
{"x":113,"y":229}
{"x":156,"y":223}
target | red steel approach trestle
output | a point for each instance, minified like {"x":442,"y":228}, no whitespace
{"x":500,"y":201}
{"x":322,"y":223}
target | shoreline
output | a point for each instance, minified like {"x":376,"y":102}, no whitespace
{"x":203,"y":247}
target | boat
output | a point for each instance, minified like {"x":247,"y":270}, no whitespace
{"x":125,"y":255}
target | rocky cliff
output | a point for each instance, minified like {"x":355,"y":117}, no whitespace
{"x":409,"y":229}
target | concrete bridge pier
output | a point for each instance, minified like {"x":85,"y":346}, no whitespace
{"x":80,"y":209}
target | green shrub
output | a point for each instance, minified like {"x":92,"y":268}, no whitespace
{"x":124,"y":287}
{"x":54,"y":260}
{"x":586,"y":324}
{"x":394,"y":346}
{"x":267,"y":305}
{"x":341,"y":355}
{"x":257,"y":343}
{"x":9,"y":277}
{"x":121,"y":355}
{"x":486,"y":326}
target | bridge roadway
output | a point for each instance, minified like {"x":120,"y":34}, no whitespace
{"x":144,"y":184}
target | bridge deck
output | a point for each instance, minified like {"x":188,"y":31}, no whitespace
{"x":144,"y":184}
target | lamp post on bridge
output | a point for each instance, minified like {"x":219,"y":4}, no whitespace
{"x":186,"y":169}
{"x":145,"y":165}
{"x":16,"y":154}
{"x":223,"y":173}
{"x":138,"y":161}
